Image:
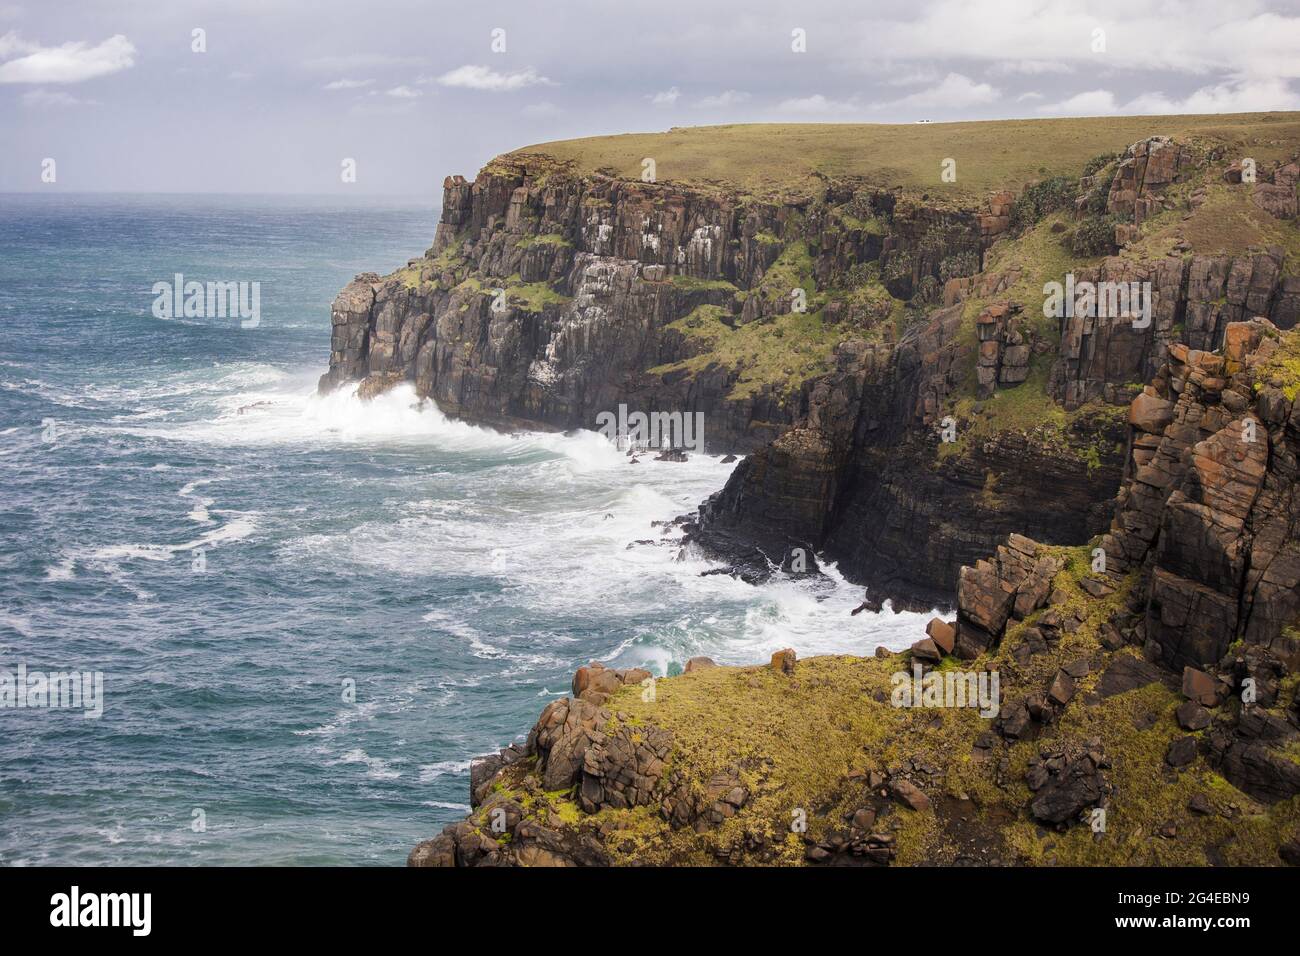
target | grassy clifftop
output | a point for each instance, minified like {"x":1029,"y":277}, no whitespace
{"x":783,"y":161}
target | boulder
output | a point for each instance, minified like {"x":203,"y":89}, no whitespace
{"x":1181,"y":752}
{"x":1192,"y":716}
{"x":1150,"y":414}
{"x":942,"y":633}
{"x":926,"y":650}
{"x":1200,"y":687}
{"x":783,"y":661}
{"x":1061,"y":690}
{"x":909,"y":794}
{"x":1071,"y":786}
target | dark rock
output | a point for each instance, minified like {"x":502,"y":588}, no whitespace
{"x":1181,"y":752}
{"x":926,"y":650}
{"x":1192,"y":716}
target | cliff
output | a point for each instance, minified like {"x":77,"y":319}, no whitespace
{"x":875,"y":340}
{"x":1138,"y":701}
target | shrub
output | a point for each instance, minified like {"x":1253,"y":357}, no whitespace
{"x":1098,"y":163}
{"x":1040,"y":199}
{"x":1094,"y":236}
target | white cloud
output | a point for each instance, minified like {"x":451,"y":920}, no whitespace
{"x":667,"y":97}
{"x":723,"y":100}
{"x":1242,"y":96}
{"x":472,"y":77}
{"x":955,"y":92}
{"x":1029,"y":67}
{"x":1091,"y":103}
{"x":1195,"y":36}
{"x":403,"y":93}
{"x":346,"y":84}
{"x":1247,"y":96}
{"x":817,"y":105}
{"x":68,"y":63}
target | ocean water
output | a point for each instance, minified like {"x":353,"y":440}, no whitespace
{"x":182,"y":514}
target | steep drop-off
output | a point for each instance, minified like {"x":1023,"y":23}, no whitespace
{"x":1106,"y":498}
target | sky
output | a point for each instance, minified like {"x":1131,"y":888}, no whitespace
{"x":273,"y":96}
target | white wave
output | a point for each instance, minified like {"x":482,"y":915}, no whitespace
{"x":18,"y":623}
{"x":377,"y":768}
{"x":431,"y":772}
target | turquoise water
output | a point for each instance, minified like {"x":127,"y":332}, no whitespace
{"x":455,"y":576}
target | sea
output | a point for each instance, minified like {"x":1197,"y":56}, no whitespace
{"x":305,"y":614}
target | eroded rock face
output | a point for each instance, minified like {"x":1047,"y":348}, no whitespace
{"x":1207,"y":513}
{"x":548,"y":297}
{"x":1014,"y":584}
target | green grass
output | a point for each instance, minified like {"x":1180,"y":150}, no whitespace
{"x":692,"y":284}
{"x":782,"y":352}
{"x":532,"y":296}
{"x":1282,"y":368}
{"x":784,"y":160}
{"x":549,"y":239}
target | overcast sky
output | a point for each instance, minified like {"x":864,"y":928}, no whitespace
{"x":287,"y":89}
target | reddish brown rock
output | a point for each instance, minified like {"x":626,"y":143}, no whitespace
{"x":942,"y":633}
{"x":783,"y":661}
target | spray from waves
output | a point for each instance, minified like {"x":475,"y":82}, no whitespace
{"x":285,"y":408}
{"x":561,"y":522}
{"x":109,"y":558}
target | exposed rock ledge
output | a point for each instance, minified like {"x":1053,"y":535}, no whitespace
{"x":1147,"y":712}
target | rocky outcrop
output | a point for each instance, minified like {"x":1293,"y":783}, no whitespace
{"x":1107,"y":502}
{"x":1207,"y":516}
{"x":549,"y":297}
{"x":860,"y":476}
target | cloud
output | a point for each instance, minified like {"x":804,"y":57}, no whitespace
{"x":817,"y":105}
{"x":955,"y":92}
{"x":1240,"y":96}
{"x":472,"y":77}
{"x":668,"y":97}
{"x":69,"y":63}
{"x":403,"y":93}
{"x":1029,"y":67}
{"x":1246,"y":96}
{"x":911,"y":78}
{"x":723,"y":100}
{"x":1091,"y":103}
{"x":1193,"y":36}
{"x":52,"y":99}
{"x":346,"y":84}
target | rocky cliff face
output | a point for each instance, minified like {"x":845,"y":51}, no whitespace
{"x":1108,"y":502}
{"x":868,"y":476}
{"x":549,"y":297}
{"x":1143,"y":704}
